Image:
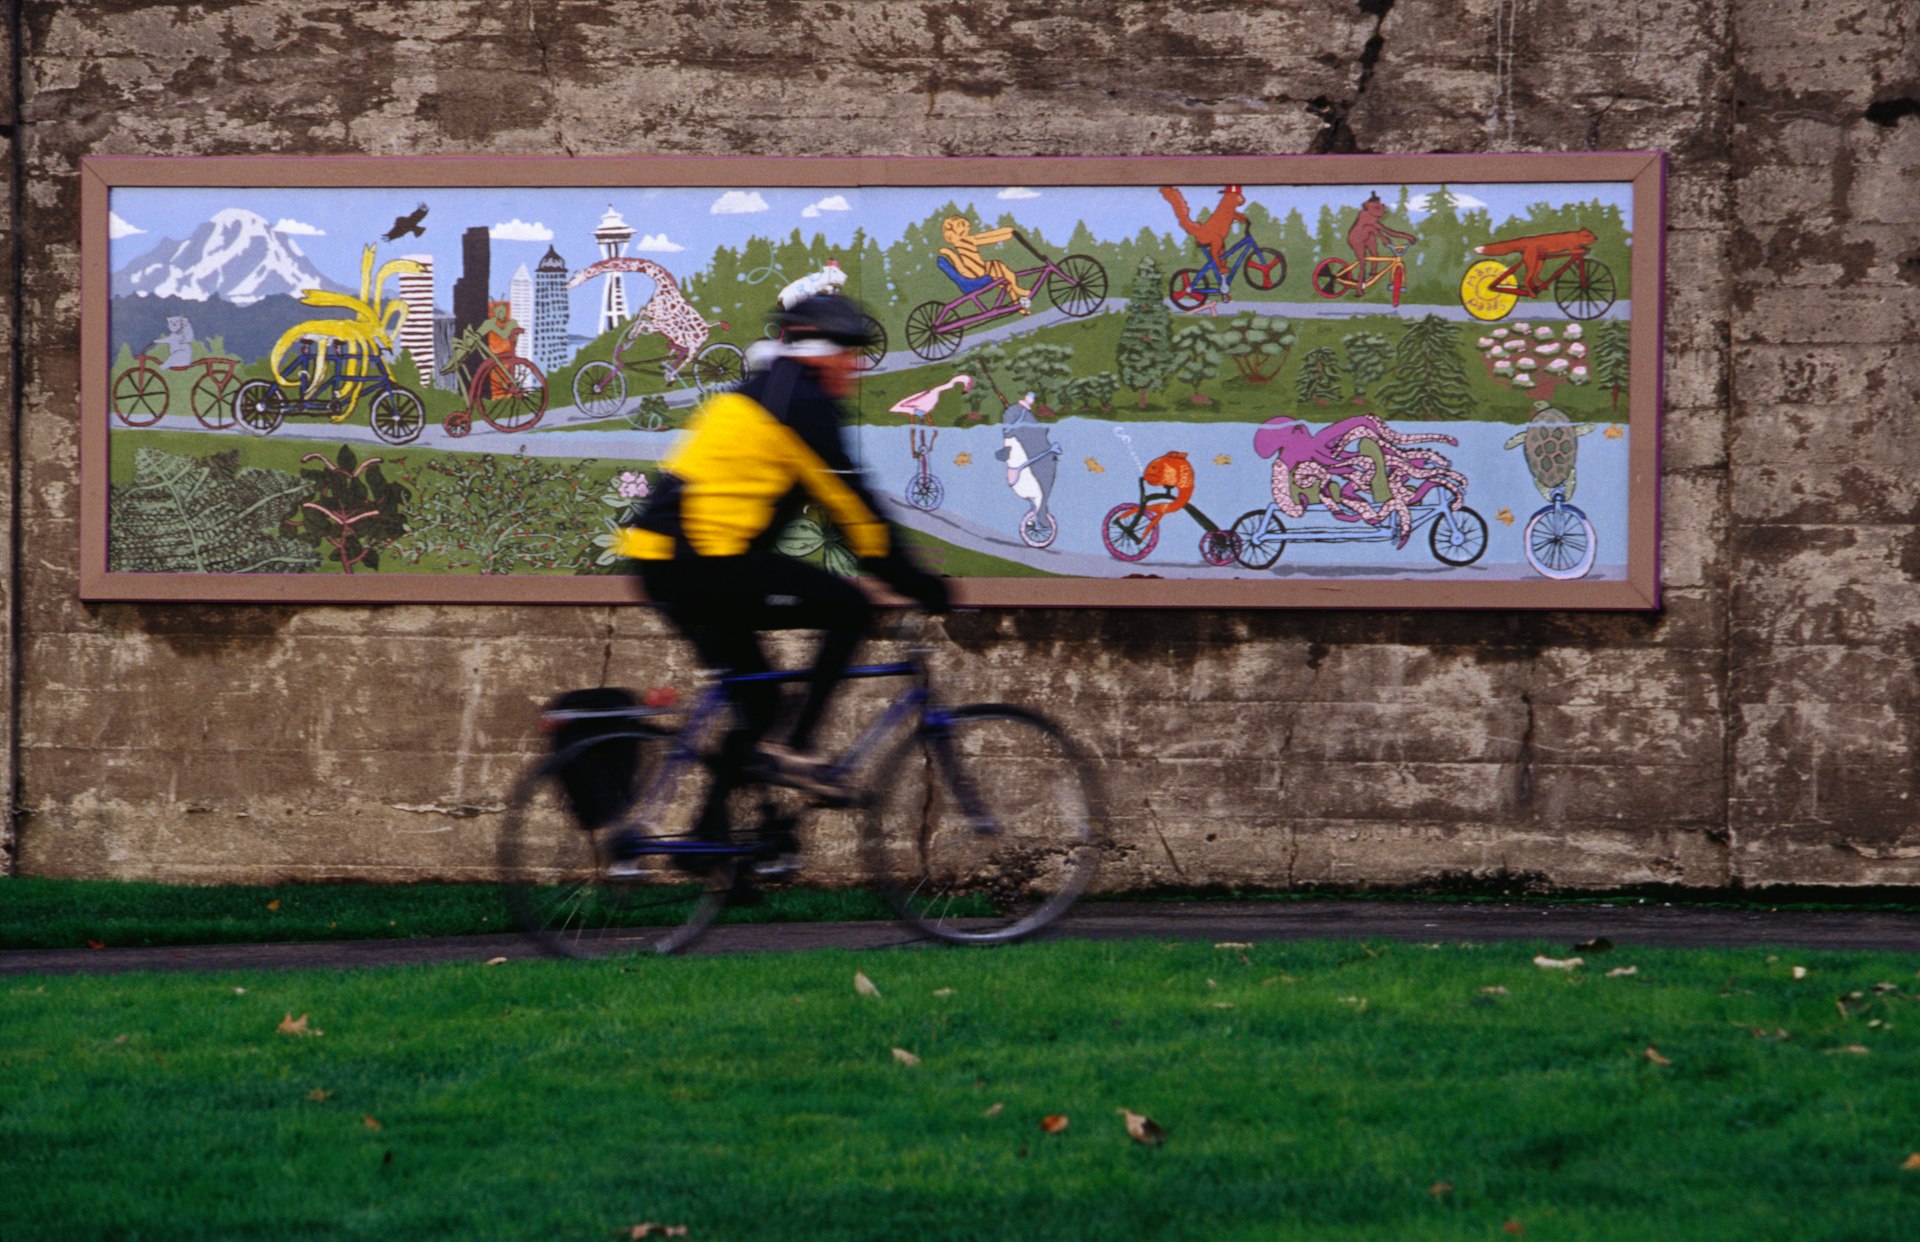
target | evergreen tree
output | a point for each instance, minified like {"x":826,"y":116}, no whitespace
{"x":1145,"y":353}
{"x":1427,"y":381}
{"x":1319,"y":380}
{"x":1368,"y":354}
{"x":1196,"y":358}
{"x":1296,"y":242}
{"x":1610,"y":358}
{"x":1328,"y":237}
{"x":1257,"y":344}
{"x":1042,"y":370}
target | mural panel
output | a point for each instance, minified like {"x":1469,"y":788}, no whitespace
{"x":1347,"y":381}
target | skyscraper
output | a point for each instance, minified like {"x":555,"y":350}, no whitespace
{"x":613,"y":236}
{"x":550,"y":312}
{"x":470,"y":291}
{"x":520,"y":306}
{"x":416,"y":331}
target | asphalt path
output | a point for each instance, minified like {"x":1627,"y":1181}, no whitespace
{"x":1563,"y":928}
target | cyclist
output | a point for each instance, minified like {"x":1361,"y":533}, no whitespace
{"x":703,"y":546}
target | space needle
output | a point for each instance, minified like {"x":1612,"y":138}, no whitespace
{"x":613,"y":236}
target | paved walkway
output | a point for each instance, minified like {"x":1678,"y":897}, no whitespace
{"x":1560,"y":926}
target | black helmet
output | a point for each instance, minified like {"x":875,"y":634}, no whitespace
{"x":828,"y":316}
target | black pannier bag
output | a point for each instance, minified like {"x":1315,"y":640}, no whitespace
{"x":597,"y":776}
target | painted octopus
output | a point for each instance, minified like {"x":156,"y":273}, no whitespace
{"x":1359,"y":468}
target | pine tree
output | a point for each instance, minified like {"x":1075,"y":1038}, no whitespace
{"x":1368,"y":354}
{"x":1610,"y":358}
{"x":1427,"y":382}
{"x":1319,"y":379}
{"x":1145,"y":353}
{"x":1196,"y":358}
{"x":1042,"y":370}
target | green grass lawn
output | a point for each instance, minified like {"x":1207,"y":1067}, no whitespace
{"x":1352,"y":1091}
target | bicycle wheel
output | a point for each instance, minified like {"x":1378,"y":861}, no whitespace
{"x":1584,"y":289}
{"x":1181,"y":291}
{"x":981,"y":828}
{"x":397,"y":416}
{"x":1458,"y":537}
{"x":1264,"y":268}
{"x":925,"y":492}
{"x":927,"y":336}
{"x":718,"y":366}
{"x":1038,"y":533}
{"x":513,"y":394}
{"x":208,"y":397}
{"x":1219,"y":548}
{"x":1258,"y":543}
{"x":1559,"y":542}
{"x":555,"y":878}
{"x":1330,"y":278}
{"x":260,"y":406}
{"x":599,"y":389}
{"x":1128,"y":532}
{"x":1077,"y":286}
{"x":140,"y":397}
{"x":874,"y":352}
{"x":1480,"y":293}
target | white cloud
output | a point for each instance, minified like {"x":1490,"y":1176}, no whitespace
{"x":117,"y":228}
{"x":833,"y":202}
{"x":658,"y":243}
{"x":738,"y":203}
{"x":1461,"y":202}
{"x":517,"y":229}
{"x":292,"y":227}
{"x":1018,"y":191}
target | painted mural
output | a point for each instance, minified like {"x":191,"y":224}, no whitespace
{"x":1416,"y":381}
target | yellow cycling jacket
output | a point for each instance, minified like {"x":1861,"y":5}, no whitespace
{"x":740,"y":473}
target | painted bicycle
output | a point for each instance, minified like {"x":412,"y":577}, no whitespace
{"x":600,"y":386}
{"x":1334,"y":277}
{"x":1262,"y":267}
{"x":1583,"y":287}
{"x":141,"y":393}
{"x":1131,"y":529}
{"x":330,"y":385}
{"x":507,"y":390}
{"x":1076,"y":284}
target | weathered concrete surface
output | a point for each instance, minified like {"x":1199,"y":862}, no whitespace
{"x":1759,"y":730}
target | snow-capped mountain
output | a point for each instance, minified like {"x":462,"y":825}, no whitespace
{"x":236,"y":256}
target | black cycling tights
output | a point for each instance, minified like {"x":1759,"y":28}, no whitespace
{"x":721,"y":602}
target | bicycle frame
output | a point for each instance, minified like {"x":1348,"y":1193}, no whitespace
{"x":1236,"y":259}
{"x":1513,"y":280}
{"x":1028,"y":276}
{"x":1354,"y":529}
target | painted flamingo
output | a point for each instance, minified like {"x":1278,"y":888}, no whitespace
{"x":924,"y":491}
{"x":920,"y":404}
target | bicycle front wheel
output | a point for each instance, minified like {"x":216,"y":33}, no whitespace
{"x":983,"y":825}
{"x":555,"y":877}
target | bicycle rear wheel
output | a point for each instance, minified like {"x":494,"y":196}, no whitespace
{"x":555,"y":877}
{"x":982,"y":830}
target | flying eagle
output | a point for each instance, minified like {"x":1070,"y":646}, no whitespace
{"x":404,"y":225}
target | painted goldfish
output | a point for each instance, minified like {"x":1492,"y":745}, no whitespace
{"x":1504,"y":517}
{"x":1613,"y":433}
{"x":964,"y":459}
{"x":1225,"y":459}
{"x":1094,"y":467}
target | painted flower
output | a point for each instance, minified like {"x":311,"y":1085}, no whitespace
{"x":1485,"y":342}
{"x":1500,"y":333}
{"x":1527,"y":364}
{"x":1523,"y":380}
{"x":1503,"y":367}
{"x":1547,"y":350}
{"x":1558,"y":366}
{"x":1576,"y":350}
{"x":1523,"y":328}
{"x":1543,"y":333}
{"x":1574,"y":332}
{"x":631,"y":485}
{"x":1579,"y":375}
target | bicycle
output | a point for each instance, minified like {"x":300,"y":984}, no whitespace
{"x":1559,"y":540}
{"x":141,"y":393}
{"x":396,"y":413}
{"x":1583,"y":288}
{"x":506,"y":389}
{"x":1131,"y":529}
{"x":1189,"y":290}
{"x":978,"y":823}
{"x":1334,"y":276}
{"x":1076,"y":284}
{"x":600,"y":386}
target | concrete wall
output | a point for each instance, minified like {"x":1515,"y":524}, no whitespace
{"x":1760,"y":730}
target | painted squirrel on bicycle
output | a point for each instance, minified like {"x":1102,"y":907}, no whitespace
{"x":1211,"y":234}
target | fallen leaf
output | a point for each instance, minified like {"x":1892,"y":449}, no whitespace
{"x":904,"y":1057}
{"x":1599,"y":944}
{"x":963,"y":459}
{"x":291,"y":1025}
{"x":1886,"y":987}
{"x":1858,"y":1050}
{"x":649,"y":1229}
{"x":496,"y":961}
{"x":1212,"y":984}
{"x":1440,"y":1190}
{"x":239,"y":991}
{"x":1503,"y":516}
{"x":864,"y":985}
{"x":368,"y":1121}
{"x":1912,"y":1163}
{"x":1223,"y":1004}
{"x":995,"y":1109}
{"x":943,"y":991}
{"x":1143,"y":1129}
{"x":1799,"y":972}
{"x":1653,"y":1054}
{"x":1223,"y":459}
{"x":1233,"y":944}
{"x":1053,"y":1123}
{"x":1358,"y":1002}
{"x":1622,"y":972}
{"x":319,"y":1096}
{"x":1613,"y":433}
{"x":1094,"y":467}
{"x":1495,"y":990}
{"x":1558,"y":963}
{"x":274,"y":904}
